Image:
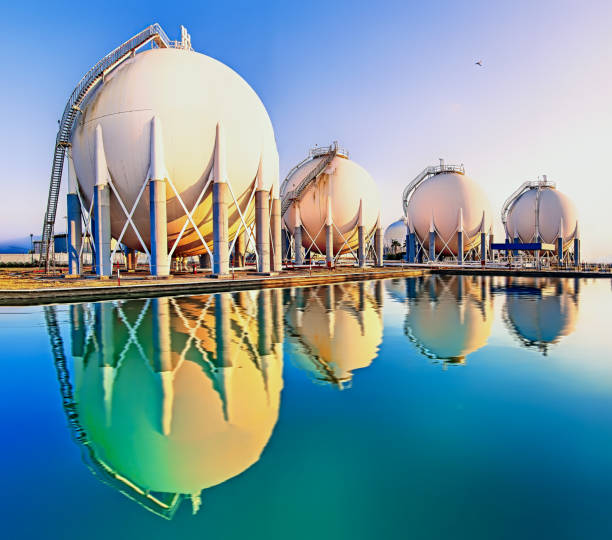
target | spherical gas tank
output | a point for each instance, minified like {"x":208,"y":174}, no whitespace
{"x":188,"y":399}
{"x":443,"y":196}
{"x":190,"y":94}
{"x":555,"y":207}
{"x":350,"y":185}
{"x":396,"y":231}
{"x":450,"y":318}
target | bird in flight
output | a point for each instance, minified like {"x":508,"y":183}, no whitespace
{"x":479,"y":63}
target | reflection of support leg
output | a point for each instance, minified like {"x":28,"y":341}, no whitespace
{"x":277,"y":311}
{"x":220,"y":229}
{"x":74,"y":233}
{"x":77,"y":330}
{"x":262,"y":230}
{"x":275,"y":228}
{"x":102,"y":231}
{"x":264,"y":322}
{"x":160,"y":265}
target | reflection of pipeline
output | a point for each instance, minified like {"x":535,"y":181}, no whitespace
{"x":162,"y":504}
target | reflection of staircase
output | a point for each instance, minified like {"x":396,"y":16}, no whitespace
{"x":296,"y":194}
{"x":62,"y":141}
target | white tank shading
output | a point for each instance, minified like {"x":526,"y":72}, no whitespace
{"x":394,"y":239}
{"x":540,"y":311}
{"x":448,"y":317}
{"x":209,"y":376}
{"x":447,"y":214}
{"x":160,"y":136}
{"x":328,"y":203}
{"x":538,"y":212}
{"x":334,"y":330}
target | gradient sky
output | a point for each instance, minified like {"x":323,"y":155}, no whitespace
{"x":394,"y":82}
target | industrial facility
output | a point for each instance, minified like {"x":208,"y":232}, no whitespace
{"x":155,"y":179}
{"x":165,"y":176}
{"x":331,"y":210}
{"x":541,"y":224}
{"x":448,"y":216}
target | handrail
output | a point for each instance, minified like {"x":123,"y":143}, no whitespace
{"x":525,"y":186}
{"x":426,"y":173}
{"x":289,"y":196}
{"x":93,"y":76}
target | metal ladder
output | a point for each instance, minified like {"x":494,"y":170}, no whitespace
{"x":310,"y":177}
{"x":96,"y":74}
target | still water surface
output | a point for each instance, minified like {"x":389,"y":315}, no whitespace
{"x":439,"y":407}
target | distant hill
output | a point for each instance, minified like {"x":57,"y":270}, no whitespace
{"x":16,"y":245}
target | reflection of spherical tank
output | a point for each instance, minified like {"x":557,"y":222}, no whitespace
{"x":396,"y":231}
{"x":540,"y":320}
{"x":442,"y":197}
{"x":204,"y":408}
{"x":350,"y":185}
{"x":334,"y":330}
{"x":450,"y":318}
{"x":189,"y":93}
{"x":555,"y":209}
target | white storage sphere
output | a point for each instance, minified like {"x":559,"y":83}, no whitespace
{"x":442,"y":196}
{"x":350,"y":184}
{"x":190,"y":93}
{"x":554,"y":207}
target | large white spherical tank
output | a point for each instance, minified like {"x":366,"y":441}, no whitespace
{"x":396,"y":231}
{"x":204,"y":408}
{"x":442,"y":196}
{"x":554,"y":207}
{"x":450,"y":318}
{"x":190,"y":93}
{"x":350,"y":184}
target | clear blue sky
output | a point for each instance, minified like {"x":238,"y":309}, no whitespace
{"x":394,"y":82}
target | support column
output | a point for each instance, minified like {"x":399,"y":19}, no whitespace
{"x":276,"y":260}
{"x":220,"y":265}
{"x":329,"y":226}
{"x":262,"y":223}
{"x":576,"y":247}
{"x":516,"y":240}
{"x":483,"y":246}
{"x":75,"y":234}
{"x":160,"y":265}
{"x":239,"y":249}
{"x":361,"y":238}
{"x":286,"y":244}
{"x":432,"y":240}
{"x":460,"y":246}
{"x":101,"y":208}
{"x":560,"y":244}
{"x":378,"y":243}
{"x":297,"y":237}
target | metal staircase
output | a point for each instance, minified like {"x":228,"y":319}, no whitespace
{"x":426,"y":173}
{"x":329,"y":153}
{"x":153,"y":33}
